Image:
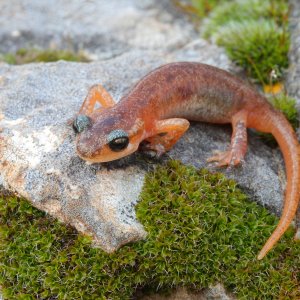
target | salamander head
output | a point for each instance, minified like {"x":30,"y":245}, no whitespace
{"x":107,"y":136}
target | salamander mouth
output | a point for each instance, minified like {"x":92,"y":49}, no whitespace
{"x":106,"y":155}
{"x":92,"y":157}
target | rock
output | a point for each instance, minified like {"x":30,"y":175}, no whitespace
{"x":293,"y":75}
{"x":37,"y":155}
{"x":216,"y":292}
{"x":104,"y":29}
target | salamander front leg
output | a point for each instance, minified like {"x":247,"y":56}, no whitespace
{"x":166,"y":134}
{"x":238,"y":147}
{"x":97,"y":93}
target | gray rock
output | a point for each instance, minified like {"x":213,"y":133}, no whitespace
{"x":216,"y":292}
{"x":37,"y":155}
{"x":293,"y":75}
{"x":103,"y":29}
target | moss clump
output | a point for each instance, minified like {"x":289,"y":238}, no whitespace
{"x":260,"y":47}
{"x":245,"y":10}
{"x":25,"y":56}
{"x":254,"y":34}
{"x":201,"y":230}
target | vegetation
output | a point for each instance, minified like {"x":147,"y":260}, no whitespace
{"x":245,"y":10}
{"x":200,"y":8}
{"x":201,"y":230}
{"x":260,"y":47}
{"x":25,"y":56}
{"x":203,"y":7}
{"x":254,"y":34}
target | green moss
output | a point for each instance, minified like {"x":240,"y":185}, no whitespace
{"x":203,"y":7}
{"x":254,"y":34}
{"x":201,"y":230}
{"x":197,"y":8}
{"x":245,"y":10}
{"x":24,"y":56}
{"x":260,"y":47}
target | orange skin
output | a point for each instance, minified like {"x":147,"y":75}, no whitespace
{"x":154,"y":114}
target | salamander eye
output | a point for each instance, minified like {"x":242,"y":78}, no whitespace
{"x":117,"y":140}
{"x":81,"y":123}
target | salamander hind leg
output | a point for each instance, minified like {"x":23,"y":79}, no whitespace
{"x":166,"y":133}
{"x":238,"y":147}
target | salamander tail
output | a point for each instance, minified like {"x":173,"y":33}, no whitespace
{"x":275,"y":123}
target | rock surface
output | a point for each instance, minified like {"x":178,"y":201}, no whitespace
{"x":293,"y":75}
{"x":104,"y":29}
{"x":216,"y":292}
{"x":38,"y":160}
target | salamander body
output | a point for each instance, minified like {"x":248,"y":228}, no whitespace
{"x":154,"y":114}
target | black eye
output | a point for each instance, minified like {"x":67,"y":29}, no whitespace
{"x":119,"y":144}
{"x":118,"y":140}
{"x":81,"y":123}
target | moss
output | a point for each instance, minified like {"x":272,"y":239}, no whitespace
{"x":245,"y":10}
{"x":260,"y":47}
{"x":197,"y":8}
{"x":24,"y":56}
{"x":203,"y":7}
{"x":201,"y":230}
{"x":254,"y":34}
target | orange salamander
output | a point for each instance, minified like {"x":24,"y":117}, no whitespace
{"x":154,"y":114}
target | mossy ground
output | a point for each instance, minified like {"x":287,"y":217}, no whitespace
{"x":201,"y":230}
{"x":25,"y":56}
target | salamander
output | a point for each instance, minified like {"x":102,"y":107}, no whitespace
{"x":154,"y":114}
